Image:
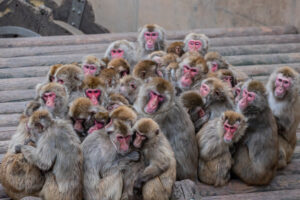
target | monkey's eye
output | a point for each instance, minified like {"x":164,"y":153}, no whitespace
{"x":148,"y":34}
{"x":285,"y":82}
{"x":193,"y":70}
{"x":132,"y":86}
{"x":191,"y":42}
{"x":90,"y":91}
{"x":120,"y":51}
{"x":92,"y":67}
{"x":86,"y":66}
{"x":154,"y":34}
{"x":186,"y":67}
{"x":113,"y":51}
{"x":250,"y":95}
{"x":279,"y":79}
{"x":197,"y":43}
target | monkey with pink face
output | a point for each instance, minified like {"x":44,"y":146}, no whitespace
{"x":195,"y":42}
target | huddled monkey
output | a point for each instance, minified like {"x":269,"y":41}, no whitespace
{"x":214,"y":142}
{"x":94,"y":89}
{"x":159,"y":174}
{"x":196,"y":42}
{"x":176,"y":48}
{"x":92,"y":66}
{"x":57,"y":153}
{"x":72,"y":78}
{"x":256,"y":155}
{"x":114,"y":100}
{"x":146,"y":69}
{"x":129,"y":87}
{"x":226,"y":76}
{"x":156,"y":100}
{"x":110,"y":77}
{"x":122,"y":49}
{"x":151,"y":37}
{"x":156,"y":56}
{"x":283,"y":97}
{"x":99,"y":120}
{"x":120,"y":65}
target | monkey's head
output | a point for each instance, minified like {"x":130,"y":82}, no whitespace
{"x":115,"y":100}
{"x":192,"y":70}
{"x":284,"y":83}
{"x":120,"y":65}
{"x":169,"y":58}
{"x":146,"y":69}
{"x":129,"y":86}
{"x":196,"y":42}
{"x":120,"y":135}
{"x":232,"y":126}
{"x":213,"y":90}
{"x":215,"y":61}
{"x":124,"y":113}
{"x":176,"y":48}
{"x":144,"y":132}
{"x":226,"y":76}
{"x":52,"y":71}
{"x":38,"y":123}
{"x":156,"y":56}
{"x":81,"y":111}
{"x":94,"y":89}
{"x":253,"y":98}
{"x":193,"y":102}
{"x":91,"y":65}
{"x":156,"y":96}
{"x":151,"y":37}
{"x":110,"y":77}
{"x":52,"y":96}
{"x":70,"y":76}
{"x":119,"y":49}
{"x":99,"y":120}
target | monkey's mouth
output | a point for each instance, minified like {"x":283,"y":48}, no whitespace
{"x":97,"y":126}
{"x":228,"y":137}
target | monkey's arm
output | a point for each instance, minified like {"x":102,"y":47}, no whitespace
{"x":43,"y":156}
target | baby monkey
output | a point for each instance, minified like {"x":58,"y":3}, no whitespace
{"x":214,"y":142}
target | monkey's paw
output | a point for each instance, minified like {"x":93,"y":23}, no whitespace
{"x":18,"y":148}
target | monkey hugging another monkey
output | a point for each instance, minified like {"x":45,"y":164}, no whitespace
{"x":128,"y":125}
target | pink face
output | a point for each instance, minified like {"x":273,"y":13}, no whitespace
{"x":204,"y":90}
{"x":237,"y":94}
{"x":228,"y":79}
{"x":153,"y":103}
{"x":89,"y":69}
{"x":49,"y":99}
{"x":201,"y":113}
{"x":93,"y":95}
{"x":194,"y":45}
{"x":124,"y":142}
{"x":138,"y":141}
{"x":97,"y":126}
{"x":78,"y":125}
{"x":117,"y":53}
{"x":214,"y":66}
{"x":150,"y":38}
{"x":229,"y":131}
{"x":188,"y":74}
{"x":248,"y":97}
{"x":282,"y":84}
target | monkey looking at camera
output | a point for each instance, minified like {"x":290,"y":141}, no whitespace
{"x":92,"y":66}
{"x":195,"y":42}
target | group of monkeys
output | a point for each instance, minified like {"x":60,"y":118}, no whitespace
{"x":129,"y":125}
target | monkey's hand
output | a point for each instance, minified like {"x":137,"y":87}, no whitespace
{"x":18,"y":148}
{"x":137,"y":188}
{"x":134,"y":156}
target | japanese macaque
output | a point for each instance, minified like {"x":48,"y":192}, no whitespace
{"x":157,"y":179}
{"x":110,"y":77}
{"x":146,"y":69}
{"x":216,"y":62}
{"x":176,"y":48}
{"x":217,"y":97}
{"x":169,"y":58}
{"x":18,"y":177}
{"x":196,"y":42}
{"x":81,"y":113}
{"x":151,"y":38}
{"x":226,"y":76}
{"x":92,"y":66}
{"x":256,"y":155}
{"x":214,"y":142}
{"x":71,"y":77}
{"x":54,"y":98}
{"x":94,"y":89}
{"x":114,"y":100}
{"x":57,"y":154}
{"x":283,"y":97}
{"x":156,"y":99}
{"x":51,"y":72}
{"x":100,"y":118}
{"x":156,"y":56}
{"x":129,"y":88}
{"x":237,"y":92}
{"x":192,"y":70}
{"x":122,"y":49}
{"x":107,"y":153}
{"x":120,"y":65}
{"x":194,"y":105}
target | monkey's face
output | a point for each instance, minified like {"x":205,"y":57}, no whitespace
{"x":120,"y":135}
{"x":49,"y":99}
{"x":281,"y":86}
{"x":90,"y":69}
{"x":117,"y":53}
{"x":94,"y":95}
{"x":247,"y":99}
{"x":211,"y":91}
{"x":128,"y":88}
{"x":150,"y":38}
{"x":144,"y":131}
{"x":155,"y":100}
{"x":213,"y":65}
{"x":230,"y":131}
{"x":188,"y":75}
{"x":101,"y":119}
{"x":195,"y":45}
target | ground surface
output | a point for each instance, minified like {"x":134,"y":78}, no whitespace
{"x":257,"y":51}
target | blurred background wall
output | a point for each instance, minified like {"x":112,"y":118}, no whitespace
{"x":128,"y":15}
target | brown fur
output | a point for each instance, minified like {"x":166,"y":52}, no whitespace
{"x":124,"y":113}
{"x":129,"y":87}
{"x":176,"y":48}
{"x":91,"y":59}
{"x":120,"y":65}
{"x":110,"y":77}
{"x":145,"y":69}
{"x":215,"y":159}
{"x":51,"y":72}
{"x":257,"y":86}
